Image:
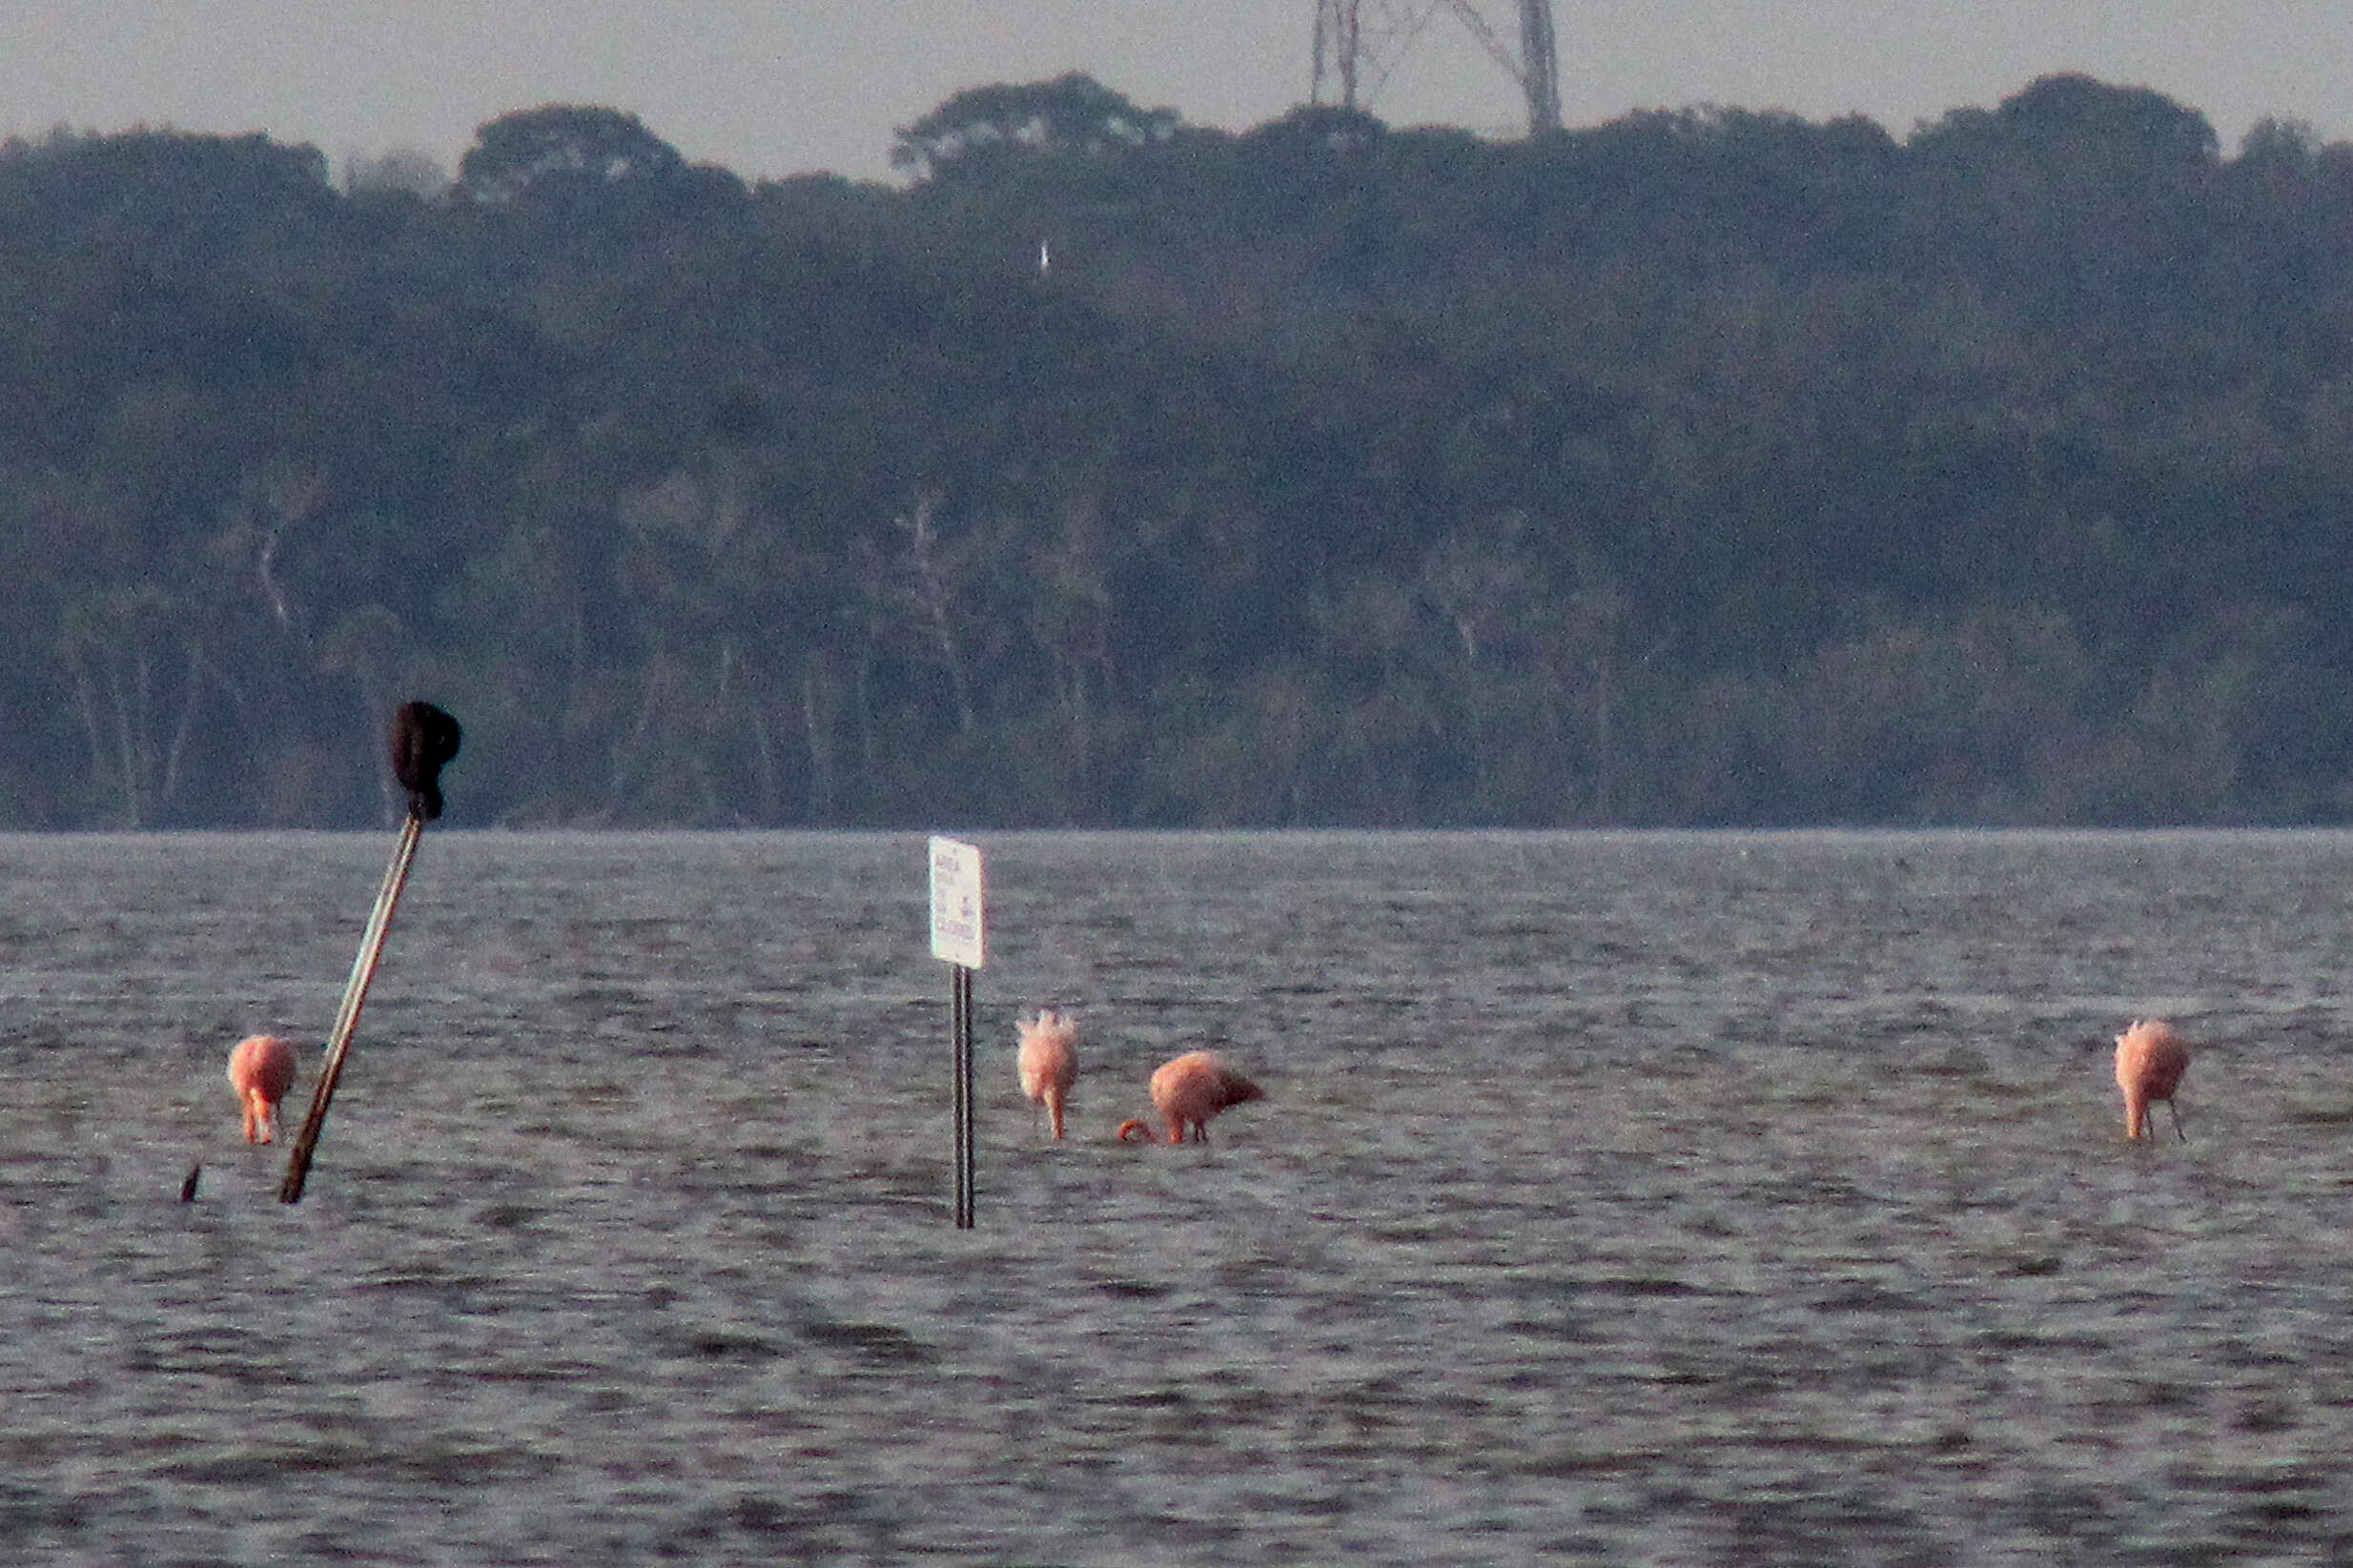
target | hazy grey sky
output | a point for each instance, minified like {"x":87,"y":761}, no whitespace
{"x":771,"y":88}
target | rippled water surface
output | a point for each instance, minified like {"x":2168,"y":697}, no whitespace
{"x":1667,"y":1199}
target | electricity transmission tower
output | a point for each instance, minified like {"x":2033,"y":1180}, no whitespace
{"x":1358,"y":43}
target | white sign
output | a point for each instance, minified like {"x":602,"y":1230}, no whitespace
{"x":959,"y":933}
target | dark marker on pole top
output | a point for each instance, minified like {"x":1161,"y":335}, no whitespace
{"x":424,"y":741}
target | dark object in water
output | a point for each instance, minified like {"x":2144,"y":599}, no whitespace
{"x":424,"y":741}
{"x":188,"y":1188}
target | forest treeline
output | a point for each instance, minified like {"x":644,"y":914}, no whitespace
{"x":1702,"y":467}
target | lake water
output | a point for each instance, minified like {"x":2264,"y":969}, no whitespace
{"x":1726,"y":1198}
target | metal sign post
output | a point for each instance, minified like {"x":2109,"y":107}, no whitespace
{"x":959,"y":937}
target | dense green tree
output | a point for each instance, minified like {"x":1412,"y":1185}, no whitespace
{"x":1072,"y":119}
{"x":1706,"y":466}
{"x":563,"y":147}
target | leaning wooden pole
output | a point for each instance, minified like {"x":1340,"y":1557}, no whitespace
{"x":423,"y":739}
{"x":347,"y":1017}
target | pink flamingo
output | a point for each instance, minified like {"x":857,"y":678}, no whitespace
{"x":1187,"y":1092}
{"x":2150,"y":1059}
{"x":262,"y":1068}
{"x":1048,"y":1062}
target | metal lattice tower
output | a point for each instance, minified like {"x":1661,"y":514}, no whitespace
{"x":1540,"y":67}
{"x":1357,"y":43}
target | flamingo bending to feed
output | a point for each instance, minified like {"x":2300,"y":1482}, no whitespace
{"x":1048,"y":1062}
{"x":262,"y":1068}
{"x":1187,"y":1092}
{"x":2150,"y":1059}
